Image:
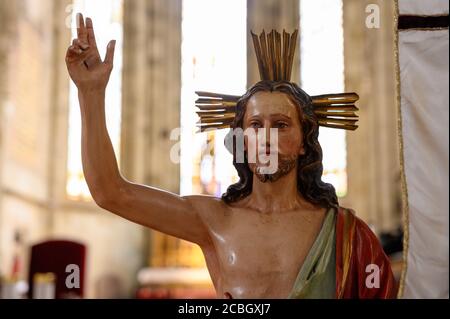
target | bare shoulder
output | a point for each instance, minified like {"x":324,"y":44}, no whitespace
{"x":209,"y":208}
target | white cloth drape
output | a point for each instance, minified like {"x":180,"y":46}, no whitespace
{"x":423,"y":7}
{"x":424,"y":81}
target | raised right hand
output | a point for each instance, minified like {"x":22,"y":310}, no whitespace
{"x":83,"y":60}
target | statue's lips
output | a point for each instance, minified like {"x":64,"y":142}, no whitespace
{"x":268,"y":153}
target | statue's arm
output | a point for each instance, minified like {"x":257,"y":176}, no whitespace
{"x":148,"y":206}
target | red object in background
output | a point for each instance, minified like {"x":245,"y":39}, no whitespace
{"x":17,"y":262}
{"x":54,"y":256}
{"x":16,"y":267}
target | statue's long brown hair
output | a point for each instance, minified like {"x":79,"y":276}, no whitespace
{"x":309,"y":169}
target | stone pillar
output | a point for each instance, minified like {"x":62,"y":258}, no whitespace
{"x":151,"y":85}
{"x":25,"y":96}
{"x":7,"y":16}
{"x":151,"y":97}
{"x":268,"y":15}
{"x":372,"y":155}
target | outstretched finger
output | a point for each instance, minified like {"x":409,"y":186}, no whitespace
{"x":109,"y":57}
{"x":90,"y":33}
{"x":81,"y":28}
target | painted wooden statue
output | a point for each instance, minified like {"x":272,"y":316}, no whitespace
{"x":279,"y":232}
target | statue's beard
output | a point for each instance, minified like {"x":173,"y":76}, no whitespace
{"x":286,"y":163}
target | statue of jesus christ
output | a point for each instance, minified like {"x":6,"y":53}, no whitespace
{"x":271,"y":235}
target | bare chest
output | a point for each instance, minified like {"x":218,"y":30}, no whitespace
{"x":257,"y":255}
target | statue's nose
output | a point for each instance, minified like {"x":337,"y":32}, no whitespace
{"x":264,"y":148}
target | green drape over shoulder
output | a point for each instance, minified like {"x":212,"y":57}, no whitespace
{"x":317,"y":276}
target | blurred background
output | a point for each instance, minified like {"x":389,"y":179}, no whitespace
{"x":167,"y":49}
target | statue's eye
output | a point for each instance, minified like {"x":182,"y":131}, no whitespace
{"x":281,"y":125}
{"x":255,"y":124}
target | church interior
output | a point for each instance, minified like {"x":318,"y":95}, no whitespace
{"x":166,"y":50}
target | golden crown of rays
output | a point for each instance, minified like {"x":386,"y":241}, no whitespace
{"x":275,"y":58}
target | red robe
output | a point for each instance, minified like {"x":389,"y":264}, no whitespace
{"x":357,"y":247}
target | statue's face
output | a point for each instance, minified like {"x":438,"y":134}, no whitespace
{"x":266,"y":110}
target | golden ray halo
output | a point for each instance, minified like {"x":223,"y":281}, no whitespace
{"x":275,"y":58}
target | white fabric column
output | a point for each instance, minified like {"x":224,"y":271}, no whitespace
{"x":424,"y":80}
